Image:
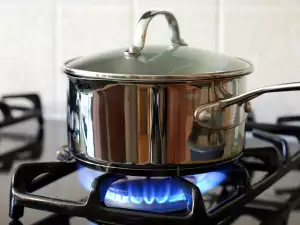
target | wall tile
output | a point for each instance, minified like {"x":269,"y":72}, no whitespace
{"x":102,"y":3}
{"x":26,"y":43}
{"x":269,"y":37}
{"x":290,"y":4}
{"x":28,"y":3}
{"x":197,"y":21}
{"x":178,"y":4}
{"x":87,"y":27}
{"x":37,"y":36}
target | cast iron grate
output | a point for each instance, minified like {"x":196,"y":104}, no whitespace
{"x":7,"y":110}
{"x":32,"y":148}
{"x":276,"y":162}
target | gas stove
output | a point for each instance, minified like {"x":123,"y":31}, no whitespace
{"x":260,"y":188}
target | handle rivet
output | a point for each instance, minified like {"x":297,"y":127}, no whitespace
{"x":63,"y":154}
{"x":247,"y":107}
{"x":204,"y":116}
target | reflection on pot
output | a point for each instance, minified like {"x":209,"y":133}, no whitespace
{"x":205,"y":143}
{"x":150,"y":124}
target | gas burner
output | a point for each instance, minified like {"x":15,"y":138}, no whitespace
{"x":8,"y":110}
{"x":130,"y":200}
{"x":153,"y":194}
{"x":260,"y":210}
{"x":28,"y":178}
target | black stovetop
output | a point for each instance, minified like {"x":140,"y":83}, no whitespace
{"x":25,"y":142}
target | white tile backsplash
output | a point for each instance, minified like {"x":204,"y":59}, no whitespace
{"x":270,"y":39}
{"x":37,"y":37}
{"x":26,"y":46}
{"x":290,"y":4}
{"x":87,"y":28}
{"x":179,"y":4}
{"x":197,"y":22}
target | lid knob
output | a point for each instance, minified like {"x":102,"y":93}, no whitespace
{"x":141,"y":31}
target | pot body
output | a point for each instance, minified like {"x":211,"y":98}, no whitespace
{"x":152,"y":127}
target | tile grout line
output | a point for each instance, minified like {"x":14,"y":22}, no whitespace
{"x":54,"y":73}
{"x":133,"y":18}
{"x":220,"y":26}
{"x":57,"y":47}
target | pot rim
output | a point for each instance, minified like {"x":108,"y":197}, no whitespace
{"x":152,"y":170}
{"x":159,"y":78}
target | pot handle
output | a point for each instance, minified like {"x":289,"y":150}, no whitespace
{"x":203,"y":114}
{"x":141,"y":31}
{"x":243,"y":98}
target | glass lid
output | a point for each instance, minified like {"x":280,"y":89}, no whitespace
{"x":174,"y":63}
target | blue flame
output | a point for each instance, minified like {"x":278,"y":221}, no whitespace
{"x":156,"y":194}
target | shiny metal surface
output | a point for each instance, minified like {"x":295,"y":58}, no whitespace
{"x":157,"y":79}
{"x":255,"y":93}
{"x":134,"y":127}
{"x":141,"y":119}
{"x":141,"y":32}
{"x":158,"y":126}
{"x":176,"y":63}
{"x":63,"y":154}
{"x":150,"y":125}
{"x":201,"y":114}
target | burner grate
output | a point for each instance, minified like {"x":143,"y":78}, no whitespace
{"x":31,"y":150}
{"x":94,"y":207}
{"x":155,"y":194}
{"x":27,"y":112}
{"x":33,"y":147}
{"x":276,"y":161}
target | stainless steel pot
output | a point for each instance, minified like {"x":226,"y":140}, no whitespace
{"x":157,"y":110}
